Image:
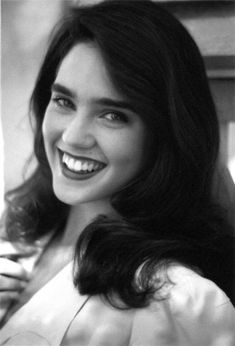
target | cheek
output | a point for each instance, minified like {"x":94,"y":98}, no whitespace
{"x":46,"y":126}
{"x":49,"y":132}
{"x":50,"y":129}
{"x":127,"y":151}
{"x":44,"y":130}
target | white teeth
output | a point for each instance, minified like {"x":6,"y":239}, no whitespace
{"x":90,"y":167}
{"x":84,"y":166}
{"x":80,"y":165}
{"x":71,"y":163}
{"x":65,"y":158}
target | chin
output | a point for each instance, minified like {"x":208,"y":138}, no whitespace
{"x":75,"y":198}
{"x":69,"y":198}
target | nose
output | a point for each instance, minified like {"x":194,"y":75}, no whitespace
{"x":79,"y":132}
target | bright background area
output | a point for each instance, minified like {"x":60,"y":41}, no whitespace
{"x":25,"y":30}
{"x":231,"y":146}
{"x":1,"y":170}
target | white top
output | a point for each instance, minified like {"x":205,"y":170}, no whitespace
{"x":196,"y":313}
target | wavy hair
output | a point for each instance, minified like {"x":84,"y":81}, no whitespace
{"x":168,"y":212}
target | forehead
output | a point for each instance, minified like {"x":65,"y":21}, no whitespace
{"x":83,"y":70}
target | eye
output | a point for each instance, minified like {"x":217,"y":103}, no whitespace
{"x":62,"y":102}
{"x":115,"y":117}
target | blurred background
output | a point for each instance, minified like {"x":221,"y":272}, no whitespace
{"x":26,"y":25}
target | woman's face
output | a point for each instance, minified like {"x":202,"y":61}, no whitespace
{"x":94,"y":141}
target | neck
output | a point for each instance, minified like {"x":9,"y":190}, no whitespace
{"x":83,"y":214}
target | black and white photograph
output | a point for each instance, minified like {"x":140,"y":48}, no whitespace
{"x":117,"y":173}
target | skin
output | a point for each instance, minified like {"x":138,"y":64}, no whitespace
{"x":13,"y":277}
{"x":82,"y":125}
{"x":78,"y":121}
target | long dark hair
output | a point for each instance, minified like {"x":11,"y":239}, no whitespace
{"x":168,"y":213}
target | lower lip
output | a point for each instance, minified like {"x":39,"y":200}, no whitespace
{"x":75,"y":175}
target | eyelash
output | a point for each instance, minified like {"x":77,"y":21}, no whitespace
{"x":63,"y":102}
{"x":121,"y":117}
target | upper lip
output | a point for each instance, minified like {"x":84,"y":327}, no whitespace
{"x":76,"y":157}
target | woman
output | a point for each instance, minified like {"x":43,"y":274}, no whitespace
{"x":126,"y":139}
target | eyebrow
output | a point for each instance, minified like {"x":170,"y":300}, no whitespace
{"x":103,"y":101}
{"x":56,"y":87}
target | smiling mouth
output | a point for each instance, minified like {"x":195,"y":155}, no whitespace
{"x":80,"y":165}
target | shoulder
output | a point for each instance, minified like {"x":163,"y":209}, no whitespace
{"x":189,"y":287}
{"x":192,"y":311}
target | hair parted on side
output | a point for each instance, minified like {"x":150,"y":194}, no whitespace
{"x":168,"y":212}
